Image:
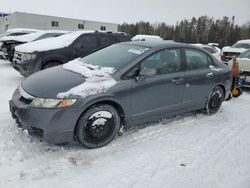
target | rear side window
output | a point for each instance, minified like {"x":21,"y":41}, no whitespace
{"x":17,"y":34}
{"x":196,"y":59}
{"x":49,"y":35}
{"x":106,"y":41}
{"x":86,"y":42}
{"x":210,"y":50}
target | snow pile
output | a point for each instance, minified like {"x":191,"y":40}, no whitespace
{"x":51,"y":43}
{"x":150,"y":38}
{"x":98,"y":79}
{"x":30,"y":37}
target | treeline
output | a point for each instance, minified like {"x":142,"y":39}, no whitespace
{"x":197,"y":30}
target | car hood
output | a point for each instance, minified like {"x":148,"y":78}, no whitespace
{"x":235,"y":50}
{"x":48,"y":83}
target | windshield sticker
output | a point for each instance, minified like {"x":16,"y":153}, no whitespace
{"x":138,"y":51}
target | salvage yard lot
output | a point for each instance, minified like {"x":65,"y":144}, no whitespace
{"x":191,"y":150}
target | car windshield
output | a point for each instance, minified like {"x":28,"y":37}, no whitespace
{"x":241,"y":45}
{"x":245,"y":54}
{"x":115,"y":56}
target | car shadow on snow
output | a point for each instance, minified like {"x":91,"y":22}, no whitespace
{"x":246,"y":89}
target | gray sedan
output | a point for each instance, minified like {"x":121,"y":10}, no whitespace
{"x":90,"y":99}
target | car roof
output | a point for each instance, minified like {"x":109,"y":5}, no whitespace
{"x":245,"y":41}
{"x":151,"y":44}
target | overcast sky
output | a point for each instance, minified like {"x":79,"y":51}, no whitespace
{"x":131,"y":11}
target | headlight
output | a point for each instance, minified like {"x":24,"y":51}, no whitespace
{"x":26,"y":57}
{"x":51,"y":103}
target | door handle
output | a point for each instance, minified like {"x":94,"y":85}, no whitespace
{"x":177,"y":80}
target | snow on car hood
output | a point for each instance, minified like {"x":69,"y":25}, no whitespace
{"x":51,"y":43}
{"x":48,"y":83}
{"x":98,"y":79}
{"x":231,"y":49}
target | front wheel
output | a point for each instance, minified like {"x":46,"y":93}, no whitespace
{"x":98,"y":126}
{"x":215,"y":100}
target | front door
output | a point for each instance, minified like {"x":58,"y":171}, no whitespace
{"x":161,"y":93}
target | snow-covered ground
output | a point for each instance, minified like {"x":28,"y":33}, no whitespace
{"x":192,"y":150}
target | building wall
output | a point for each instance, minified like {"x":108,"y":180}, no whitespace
{"x":35,"y":21}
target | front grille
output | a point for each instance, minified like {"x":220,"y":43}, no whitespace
{"x":245,"y":73}
{"x":18,"y":56}
{"x":231,"y":54}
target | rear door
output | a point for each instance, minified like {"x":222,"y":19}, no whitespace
{"x":198,"y":77}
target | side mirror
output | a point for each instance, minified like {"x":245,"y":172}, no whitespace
{"x":147,"y":73}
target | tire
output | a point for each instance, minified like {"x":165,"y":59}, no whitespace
{"x":98,"y":126}
{"x":50,"y":64}
{"x":214,"y":101}
{"x":236,"y":92}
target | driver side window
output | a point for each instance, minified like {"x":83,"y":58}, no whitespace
{"x":164,"y":62}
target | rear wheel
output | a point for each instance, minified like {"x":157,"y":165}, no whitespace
{"x":215,"y":100}
{"x":98,"y":126}
{"x":51,"y":64}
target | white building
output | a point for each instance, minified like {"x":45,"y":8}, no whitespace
{"x":36,"y":21}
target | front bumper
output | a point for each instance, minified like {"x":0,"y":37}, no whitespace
{"x":227,"y":56}
{"x":26,"y":68}
{"x":55,"y":126}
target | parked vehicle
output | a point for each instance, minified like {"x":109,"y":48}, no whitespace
{"x":210,"y":49}
{"x":239,"y":47}
{"x":91,"y":98}
{"x":243,"y":61}
{"x":32,"y":57}
{"x":149,"y":38}
{"x":215,"y":45}
{"x":14,"y":32}
{"x":10,"y":42}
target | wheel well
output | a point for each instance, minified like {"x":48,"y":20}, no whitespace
{"x":51,"y":61}
{"x":223,"y":88}
{"x":112,"y":103}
